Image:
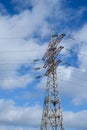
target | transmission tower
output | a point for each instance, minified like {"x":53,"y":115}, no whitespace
{"x":52,"y":118}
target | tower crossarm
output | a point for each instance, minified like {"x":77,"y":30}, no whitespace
{"x":51,"y":68}
{"x":56,"y":41}
{"x":53,"y":45}
{"x":53,"y":52}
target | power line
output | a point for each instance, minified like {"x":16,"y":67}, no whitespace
{"x":19,"y":51}
{"x":75,"y":52}
{"x":9,"y":38}
{"x":37,"y":68}
{"x":34,"y":50}
{"x":76,"y":39}
{"x":74,"y":82}
{"x":18,"y":79}
{"x":75,"y":77}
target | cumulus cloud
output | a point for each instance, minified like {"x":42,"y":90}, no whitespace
{"x":16,"y":128}
{"x":30,"y":117}
{"x":74,"y":86}
{"x":72,"y":80}
{"x":16,"y":34}
{"x":14,"y":81}
{"x":76,"y":120}
{"x":11,"y":62}
{"x":17,"y":51}
{"x":21,"y":116}
{"x":18,"y":37}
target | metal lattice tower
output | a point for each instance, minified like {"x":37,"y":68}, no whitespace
{"x":52,"y":118}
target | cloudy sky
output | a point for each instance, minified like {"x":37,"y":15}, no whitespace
{"x":25,"y":28}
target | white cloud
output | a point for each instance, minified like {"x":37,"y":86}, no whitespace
{"x":76,"y":120}
{"x":13,"y":82}
{"x":16,"y":128}
{"x":22,"y":25}
{"x":74,"y":86}
{"x":19,"y":116}
{"x":26,"y":24}
{"x":74,"y":82}
{"x":11,"y":61}
{"x":42,"y":83}
{"x":30,"y":117}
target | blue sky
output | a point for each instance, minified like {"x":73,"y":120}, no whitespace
{"x":24,"y":36}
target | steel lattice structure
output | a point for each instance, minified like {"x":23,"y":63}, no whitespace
{"x":52,"y":118}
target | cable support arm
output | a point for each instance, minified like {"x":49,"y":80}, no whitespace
{"x":53,"y":52}
{"x":51,"y":68}
{"x":56,"y":41}
{"x":53,"y":45}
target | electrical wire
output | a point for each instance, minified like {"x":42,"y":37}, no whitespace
{"x":74,"y":82}
{"x":68,"y":80}
{"x":34,"y":50}
{"x":18,"y":79}
{"x":75,"y":77}
{"x":73,"y":38}
{"x":11,"y":38}
{"x":20,"y":51}
{"x":32,"y":61}
{"x":75,"y":52}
